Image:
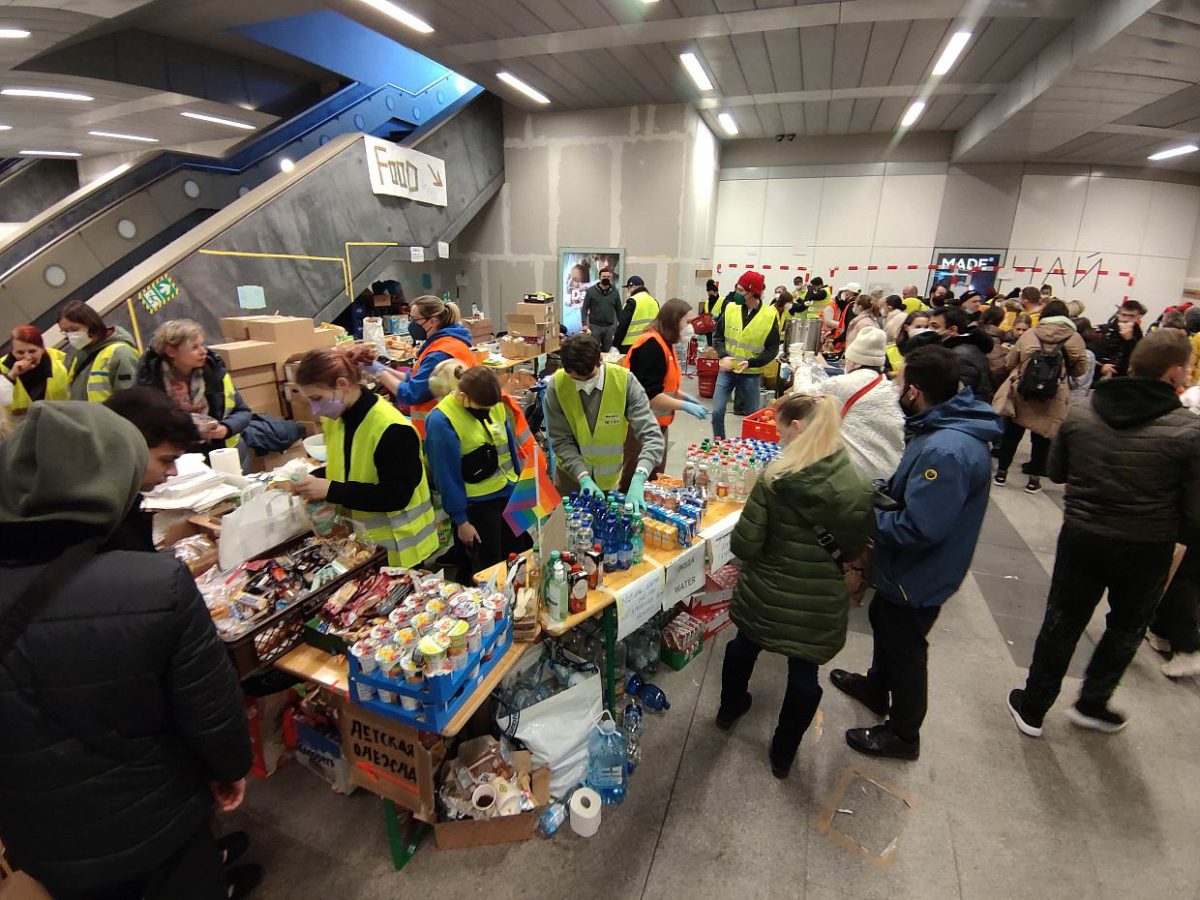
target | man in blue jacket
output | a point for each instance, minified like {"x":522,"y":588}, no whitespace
{"x":923,"y":545}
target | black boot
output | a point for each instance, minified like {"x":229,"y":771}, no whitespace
{"x":781,"y":758}
{"x":727,"y":717}
{"x":858,"y":687}
{"x":882,"y":741}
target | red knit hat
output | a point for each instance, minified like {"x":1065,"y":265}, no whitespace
{"x":753,"y":282}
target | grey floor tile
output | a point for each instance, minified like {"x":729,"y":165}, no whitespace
{"x":1021,"y":635}
{"x":1001,"y":561}
{"x":1016,"y":596}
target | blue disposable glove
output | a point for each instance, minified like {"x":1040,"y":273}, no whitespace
{"x":587,"y":484}
{"x":375,"y":368}
{"x":636,"y":495}
{"x":695,"y":409}
{"x":688,"y":397}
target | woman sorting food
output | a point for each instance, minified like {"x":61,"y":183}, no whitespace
{"x":375,"y":470}
{"x":34,"y":372}
{"x":473,"y":451}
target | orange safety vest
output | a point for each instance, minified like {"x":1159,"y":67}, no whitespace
{"x":674,"y":377}
{"x":520,"y":427}
{"x":456,"y":348}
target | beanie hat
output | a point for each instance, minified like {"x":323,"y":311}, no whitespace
{"x":71,"y":461}
{"x":753,"y":282}
{"x":853,"y":287}
{"x":869,"y":347}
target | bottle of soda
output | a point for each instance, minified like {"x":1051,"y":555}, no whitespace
{"x":639,"y":542}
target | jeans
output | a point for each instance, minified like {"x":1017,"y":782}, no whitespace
{"x":748,"y":389}
{"x":604,"y":334}
{"x":1039,"y":452}
{"x":193,"y":873}
{"x":1086,"y":565}
{"x":900,"y":661}
{"x":1175,"y":619}
{"x":800,"y":700}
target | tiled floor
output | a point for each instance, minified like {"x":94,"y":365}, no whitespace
{"x":991,"y":814}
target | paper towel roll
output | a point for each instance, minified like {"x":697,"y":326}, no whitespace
{"x":585,"y":812}
{"x":226,"y":460}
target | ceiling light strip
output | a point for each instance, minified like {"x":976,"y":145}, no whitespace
{"x":65,"y":153}
{"x":217,"y":120}
{"x":691,"y":64}
{"x":728,"y":123}
{"x":403,"y":16}
{"x":116,"y":135}
{"x":1173,"y":152}
{"x":913,"y":113}
{"x":528,"y":90}
{"x":950,"y":55}
{"x":47,"y":94}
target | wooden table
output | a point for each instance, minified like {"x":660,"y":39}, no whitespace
{"x":332,"y":672}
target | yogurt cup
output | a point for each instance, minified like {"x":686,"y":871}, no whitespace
{"x":437,"y":607}
{"x":382,"y":632}
{"x":487,"y":623}
{"x":406,"y":637}
{"x":457,"y":633}
{"x":459,"y":658}
{"x":400,"y":617}
{"x":475,"y":637}
{"x":465,"y":609}
{"x":423,"y":622}
{"x":364,"y":652}
{"x":433,"y":649}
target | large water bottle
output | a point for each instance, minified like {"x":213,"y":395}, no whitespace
{"x":606,"y":761}
{"x":612,"y":544}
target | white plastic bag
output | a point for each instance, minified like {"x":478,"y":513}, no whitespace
{"x":262,"y":522}
{"x":373,"y":334}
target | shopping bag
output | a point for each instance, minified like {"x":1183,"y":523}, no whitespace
{"x":556,"y":730}
{"x":262,"y":522}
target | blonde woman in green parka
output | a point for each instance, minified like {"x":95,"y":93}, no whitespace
{"x":791,"y":597}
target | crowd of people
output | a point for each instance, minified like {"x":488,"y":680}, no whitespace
{"x":116,"y":761}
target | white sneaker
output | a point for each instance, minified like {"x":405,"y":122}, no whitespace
{"x":1182,"y":665}
{"x":1162,"y":645}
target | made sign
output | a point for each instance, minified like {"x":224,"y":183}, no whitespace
{"x":158,"y":294}
{"x":402,"y":172}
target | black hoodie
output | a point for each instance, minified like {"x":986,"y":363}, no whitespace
{"x":972,"y":349}
{"x":1131,"y":462}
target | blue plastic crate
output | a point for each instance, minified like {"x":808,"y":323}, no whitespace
{"x":442,"y":697}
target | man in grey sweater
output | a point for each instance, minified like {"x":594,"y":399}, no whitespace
{"x":588,"y":417}
{"x":601,"y":307}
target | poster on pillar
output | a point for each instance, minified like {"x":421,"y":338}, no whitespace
{"x":579,"y":270}
{"x":403,"y":172}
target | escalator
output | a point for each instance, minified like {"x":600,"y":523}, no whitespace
{"x":78,"y":246}
{"x":312,"y":237}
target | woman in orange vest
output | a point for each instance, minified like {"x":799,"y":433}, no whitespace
{"x":437,"y":324}
{"x":652,"y":361}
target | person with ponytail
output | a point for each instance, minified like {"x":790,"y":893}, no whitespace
{"x":376,"y":469}
{"x":437,"y":324}
{"x":809,"y":513}
{"x":34,"y":372}
{"x":474,"y":454}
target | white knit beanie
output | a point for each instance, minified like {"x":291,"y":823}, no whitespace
{"x":869,"y":347}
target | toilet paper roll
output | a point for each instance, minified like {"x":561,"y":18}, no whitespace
{"x":226,"y":460}
{"x":585,"y":812}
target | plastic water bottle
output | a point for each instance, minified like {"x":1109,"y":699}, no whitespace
{"x":558,"y":588}
{"x":625,"y":550}
{"x":606,"y":761}
{"x":639,"y":542}
{"x":612,"y":545}
{"x":585,"y":537}
{"x":631,"y":724}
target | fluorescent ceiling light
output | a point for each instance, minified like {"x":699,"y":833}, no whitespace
{"x":913,"y":113}
{"x":515,"y":82}
{"x":946,"y":61}
{"x":46,"y":94}
{"x":403,"y":16}
{"x":116,"y":135}
{"x":70,"y":153}
{"x":217,"y":120}
{"x":692,"y":64}
{"x":13,"y":33}
{"x":5,"y":128}
{"x":286,"y":165}
{"x":1173,"y":152}
{"x":728,"y":124}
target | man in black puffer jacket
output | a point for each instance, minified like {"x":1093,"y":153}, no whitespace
{"x":972,"y":348}
{"x":1131,"y":463}
{"x":121,"y":715}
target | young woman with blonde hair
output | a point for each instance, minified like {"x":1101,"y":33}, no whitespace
{"x":810,"y":507}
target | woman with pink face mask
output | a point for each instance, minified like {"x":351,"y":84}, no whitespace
{"x":375,"y":468}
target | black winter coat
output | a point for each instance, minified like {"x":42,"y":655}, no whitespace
{"x":975,"y":368}
{"x":118,"y":705}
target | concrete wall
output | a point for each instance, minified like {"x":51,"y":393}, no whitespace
{"x":642,"y":179}
{"x":1112,"y":233}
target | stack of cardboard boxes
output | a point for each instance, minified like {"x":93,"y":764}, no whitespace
{"x":257,"y":351}
{"x":533,"y":329}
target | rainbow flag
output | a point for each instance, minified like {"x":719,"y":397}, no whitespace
{"x":533,"y":497}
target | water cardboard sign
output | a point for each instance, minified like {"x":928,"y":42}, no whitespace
{"x":402,"y":172}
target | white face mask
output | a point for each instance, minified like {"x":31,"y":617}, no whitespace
{"x":78,"y":339}
{"x":586,"y":387}
{"x":686,"y":333}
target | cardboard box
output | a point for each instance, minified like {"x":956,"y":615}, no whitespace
{"x":546,"y":313}
{"x":388,"y":758}
{"x":271,"y":461}
{"x":263,"y":398}
{"x":322,"y":755}
{"x":515,"y":382}
{"x":298,"y":407}
{"x":233,"y":328}
{"x":515,"y":348}
{"x":503,"y":829}
{"x":316,"y":339}
{"x":252,"y":377}
{"x":246,"y":354}
{"x":527,"y":326}
{"x":278,"y":329}
{"x":478,"y":326}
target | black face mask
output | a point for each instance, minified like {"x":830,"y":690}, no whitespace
{"x":605,"y":283}
{"x":417,"y":331}
{"x":481,"y":414}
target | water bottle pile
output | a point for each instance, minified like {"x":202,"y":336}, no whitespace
{"x":727,"y":469}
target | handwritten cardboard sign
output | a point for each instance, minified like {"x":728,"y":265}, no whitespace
{"x":638,"y":602}
{"x":387,"y":758}
{"x":718,"y":538}
{"x":685,"y":575}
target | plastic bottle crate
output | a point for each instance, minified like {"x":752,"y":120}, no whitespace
{"x":757,"y":427}
{"x":442,"y":697}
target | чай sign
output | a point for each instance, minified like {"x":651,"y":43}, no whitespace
{"x":402,"y":172}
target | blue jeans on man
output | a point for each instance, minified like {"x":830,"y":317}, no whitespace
{"x":748,"y":389}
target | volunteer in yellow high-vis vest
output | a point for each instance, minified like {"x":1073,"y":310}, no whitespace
{"x":375,"y":468}
{"x":590,"y":408}
{"x":640,"y":310}
{"x":35,"y":372}
{"x":747,"y":338}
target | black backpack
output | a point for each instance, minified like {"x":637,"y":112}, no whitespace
{"x":1042,"y":374}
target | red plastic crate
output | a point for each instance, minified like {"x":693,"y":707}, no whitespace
{"x":756,"y":427}
{"x":706,"y":370}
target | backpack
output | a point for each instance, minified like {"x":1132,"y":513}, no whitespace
{"x":1042,"y":374}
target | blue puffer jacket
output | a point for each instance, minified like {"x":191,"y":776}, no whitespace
{"x":923,"y":549}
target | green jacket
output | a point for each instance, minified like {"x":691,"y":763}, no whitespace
{"x":791,"y":597}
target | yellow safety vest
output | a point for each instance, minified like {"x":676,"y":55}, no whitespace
{"x":58,"y":385}
{"x":99,"y":375}
{"x":749,"y":342}
{"x":409,"y":535}
{"x":784,"y":316}
{"x":645,"y":311}
{"x":603,"y":449}
{"x":230,"y":402}
{"x":815,"y":308}
{"x":913,"y":304}
{"x":473,"y":434}
{"x":895,"y":358}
